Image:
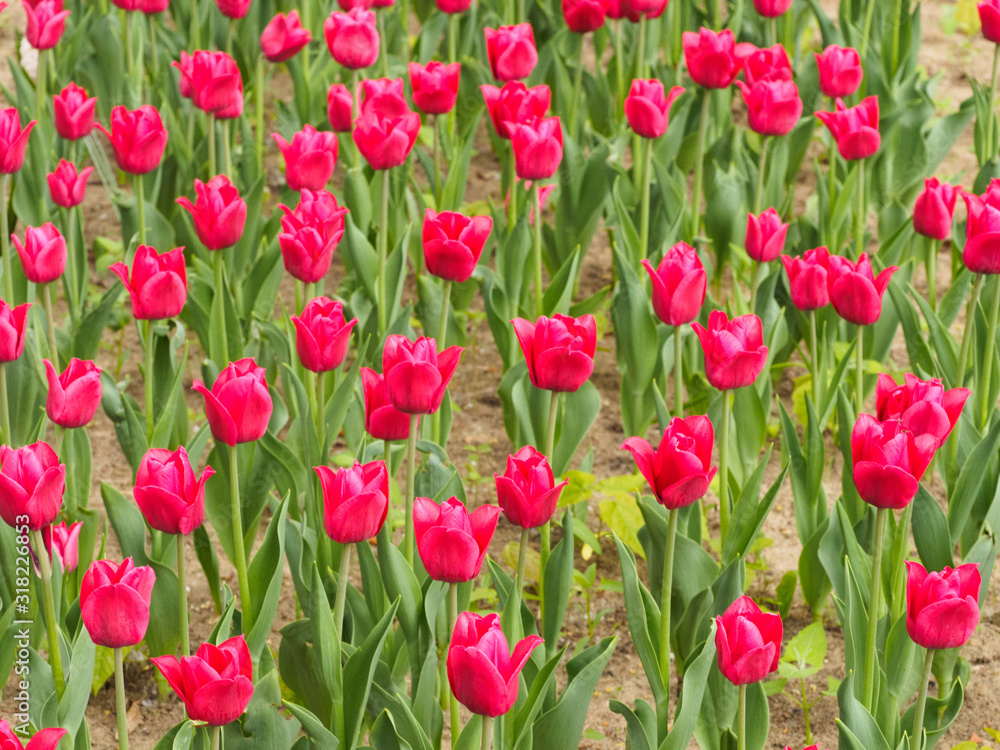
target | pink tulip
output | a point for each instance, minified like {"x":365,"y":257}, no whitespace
{"x":808,"y":278}
{"x":239,"y":405}
{"x":73,"y":112}
{"x":158,"y":284}
{"x":511,"y":51}
{"x":734,"y":349}
{"x":765,"y":237}
{"x":74,"y":395}
{"x":416,"y":375}
{"x":310,"y":233}
{"x":216,"y":684}
{"x":13,"y":140}
{"x":452,"y":243}
{"x":283,"y":37}
{"x":854,"y":128}
{"x":114,"y":602}
{"x":923,"y":406}
{"x":310,"y":158}
{"x":32,"y":482}
{"x":352,"y":38}
{"x":748,"y":642}
{"x":559,"y":350}
{"x":538,"y":149}
{"x":855,"y":291}
{"x":679,"y":284}
{"x":515,"y":104}
{"x":435,"y":86}
{"x":383,"y":421}
{"x":62,"y":542}
{"x":219,"y":213}
{"x":43,"y":253}
{"x":66,"y":186}
{"x":647,"y":107}
{"x":934,"y":210}
{"x":137,"y":137}
{"x":680,"y":469}
{"x":322,"y":335}
{"x":840,"y":71}
{"x":169,"y":495}
{"x":527,"y":492}
{"x":451,"y":541}
{"x":355,"y":501}
{"x":942,"y":608}
{"x":889,"y":461}
{"x":13,"y":324}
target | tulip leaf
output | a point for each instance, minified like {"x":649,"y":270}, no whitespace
{"x":696,"y":673}
{"x":73,"y":704}
{"x":265,"y":574}
{"x":749,"y":514}
{"x":930,"y":531}
{"x":76,"y":454}
{"x":640,"y":724}
{"x":312,"y":726}
{"x":359,"y":674}
{"x":533,"y":702}
{"x":916,"y":342}
{"x":578,"y":412}
{"x":558,"y":575}
{"x":858,"y":728}
{"x":325,"y":655}
{"x":902,"y":674}
{"x":406,"y":725}
{"x":383,"y":734}
{"x":401,"y":585}
{"x":970,"y":480}
{"x":209,"y":560}
{"x":940,"y":712}
{"x":559,"y":293}
{"x":127,"y":522}
{"x":173,"y":405}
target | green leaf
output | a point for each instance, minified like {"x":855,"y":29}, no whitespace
{"x":638,"y":622}
{"x":326,"y":646}
{"x":401,"y":585}
{"x":312,"y":726}
{"x":695,"y":680}
{"x":526,"y":714}
{"x":857,"y":726}
{"x":359,"y":674}
{"x":265,"y":577}
{"x":558,"y":581}
{"x":78,"y":682}
{"x":930,"y":531}
{"x":969,"y":482}
{"x":126,"y":520}
{"x":640,"y":730}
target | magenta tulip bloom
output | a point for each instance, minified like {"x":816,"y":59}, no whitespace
{"x":942,"y":608}
{"x":66,"y":186}
{"x":352,"y":38}
{"x":385,"y":95}
{"x":855,"y":291}
{"x":734,"y":349}
{"x":763,"y":64}
{"x":435,"y":86}
{"x":981,"y":253}
{"x":889,"y":461}
{"x":74,"y":395}
{"x":13,"y":324}
{"x":453,"y":6}
{"x":416,"y":375}
{"x":538,"y":149}
{"x":62,"y":542}
{"x":43,"y":253}
{"x":46,"y":739}
{"x":772,"y":8}
{"x":169,"y":495}
{"x":13,"y":140}
{"x":114,"y":602}
{"x":773,"y":107}
{"x":511,"y":51}
{"x":239,"y":405}
{"x":355,"y":500}
{"x":322,"y":335}
{"x":854,"y":128}
{"x":559,"y":350}
{"x":219,"y":213}
{"x":527,"y":492}
{"x":73,"y":112}
{"x":453,"y":243}
{"x":679,"y":284}
{"x":808,"y":280}
{"x":46,"y":23}
{"x":216,"y":684}
{"x":137,"y":137}
{"x":515,"y":104}
{"x":309,"y":159}
{"x":32,"y":482}
{"x":934,"y":210}
{"x":634,"y":10}
{"x":711,"y":58}
{"x":340,"y":108}
{"x":386,"y":141}
{"x":647,"y":107}
{"x":283,"y":37}
{"x":989,"y":18}
{"x":213,"y":81}
{"x":748,"y":642}
{"x":840,"y":71}
{"x":310,"y":234}
{"x":584,"y":15}
{"x":765,"y":237}
{"x":923,"y":406}
{"x":482,"y":671}
{"x":680,"y":469}
{"x":451,"y":541}
{"x":234,"y":9}
{"x":383,"y":421}
{"x":158,"y":286}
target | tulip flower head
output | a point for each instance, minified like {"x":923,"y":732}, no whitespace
{"x":239,"y":405}
{"x":808,"y":278}
{"x":46,"y":23}
{"x":538,"y":149}
{"x":923,"y":406}
{"x":74,"y":395}
{"x":170,"y":496}
{"x":559,"y":350}
{"x":680,"y":469}
{"x":340,"y":108}
{"x":416,"y":375}
{"x":773,"y":107}
{"x":385,"y":140}
{"x":233,"y":9}
{"x":386,"y":95}
{"x":137,"y":137}
{"x":158,"y":283}
{"x":453,"y":243}
{"x":32,"y":482}
{"x":219,"y":213}
{"x":934,"y":211}
{"x":515,"y":104}
{"x":511,"y":51}
{"x":989,"y":19}
{"x":840,"y":71}
{"x":634,"y":10}
{"x":482,"y":671}
{"x":310,"y":233}
{"x":527,"y":492}
{"x":981,"y":253}
{"x":43,"y":253}
{"x":772,"y":8}
{"x":13,"y":324}
{"x":734,"y":349}
{"x":216,"y":684}
{"x":584,"y":15}
{"x":765,"y":236}
{"x":748,"y":642}
{"x":854,"y":128}
{"x":13,"y":140}
{"x":352,"y":38}
{"x":355,"y":501}
{"x":942,"y":608}
{"x":889,"y":461}
{"x":66,"y":186}
{"x":453,"y":6}
{"x":322,"y":335}
{"x":310,"y":158}
{"x":435,"y":86}
{"x":62,"y":542}
{"x":451,"y":541}
{"x":711,"y":58}
{"x":647,"y":107}
{"x":114,"y":602}
{"x":855,"y":291}
{"x":764,"y":63}
{"x":679,"y":284}
{"x":383,"y":421}
{"x":213,"y":81}
{"x":283,"y":37}
{"x":46,"y":739}
{"x":73,"y":112}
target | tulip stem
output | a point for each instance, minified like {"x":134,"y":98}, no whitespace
{"x":918,"y":715}
{"x":741,"y":720}
{"x":383,"y":245}
{"x":991,"y":122}
{"x":932,"y":255}
{"x":873,"y":607}
{"x":859,"y":217}
{"x":226,"y":148}
{"x":259,"y":112}
{"x":699,"y":169}
{"x":456,"y":721}
{"x":237,"y":522}
{"x":619,"y":70}
{"x":8,"y":279}
{"x":120,"y":712}
{"x":757,"y":268}
{"x":647,"y":179}
{"x":536,"y":202}
{"x":211,"y":146}
{"x":321,"y":415}
{"x":148,"y":379}
{"x":218,"y":260}
{"x":678,"y":372}
{"x":8,"y":439}
{"x":991,"y":335}
{"x":577,"y":89}
{"x":758,"y":198}
{"x":866,"y":34}
{"x":216,"y":738}
{"x":859,"y":372}
{"x":511,"y":191}
{"x":437,"y":164}
{"x":514,"y":601}
{"x":182,"y":599}
{"x":411,"y":468}
{"x":40,"y":85}
{"x":814,"y":346}
{"x":443,"y":320}
{"x":724,"y":467}
{"x":342,"y":576}
{"x":662,"y":712}
{"x":486,"y":743}
{"x":640,"y":49}
{"x":140,"y":206}
{"x":51,"y":325}
{"x":195,"y":27}
{"x":49,"y":608}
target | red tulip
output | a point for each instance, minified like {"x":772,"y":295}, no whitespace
{"x":340,"y":108}
{"x":114,"y":602}
{"x":808,"y":278}
{"x":416,"y":375}
{"x":234,"y":9}
{"x":73,"y":112}
{"x":46,"y":739}
{"x":889,"y":461}
{"x":764,"y":63}
{"x":216,"y":684}
{"x":527,"y":492}
{"x":385,"y":95}
{"x":137,"y":137}
{"x":981,"y":253}
{"x":435,"y":86}
{"x":453,"y":6}
{"x":214,"y":83}
{"x":74,"y":395}
{"x":678,"y":285}
{"x":773,"y":107}
{"x":854,"y":128}
{"x":66,"y":187}
{"x":32,"y":482}
{"x":169,"y":495}
{"x":840,"y":71}
{"x":772,"y":8}
{"x":46,"y":23}
{"x":748,"y":642}
{"x":150,"y":7}
{"x":584,"y":15}
{"x":219,"y":213}
{"x":62,"y":542}
{"x":989,"y":18}
{"x":383,"y":141}
{"x":734,"y":349}
{"x":13,"y":140}
{"x":13,"y":324}
{"x":923,"y":406}
{"x":680,"y":469}
{"x":310,"y":234}
{"x":347,"y":5}
{"x":765,"y":237}
{"x":647,"y":107}
{"x":515,"y":104}
{"x":511,"y":51}
{"x":453,"y":243}
{"x":855,"y":291}
{"x":711,"y":58}
{"x":158,"y":286}
{"x":633,"y":10}
{"x":451,"y":541}
{"x":43,"y":253}
{"x":935,"y":209}
{"x":383,"y":421}
{"x":283,"y":37}
{"x":538,"y":149}
{"x":559,"y":350}
{"x":239,"y":405}
{"x":352,"y":38}
{"x":942,"y":609}
{"x":322,"y":335}
{"x":482,"y":671}
{"x":309,"y":159}
{"x":355,"y":501}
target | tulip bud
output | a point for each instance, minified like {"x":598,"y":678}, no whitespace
{"x":355,"y":501}
{"x":32,"y":482}
{"x":46,"y":23}
{"x":309,"y":159}
{"x":383,"y":421}
{"x":748,"y":642}
{"x":73,"y":112}
{"x":764,"y":63}
{"x":680,"y":469}
{"x":158,"y":284}
{"x":340,"y":108}
{"x":239,"y":405}
{"x":66,"y":187}
{"x":889,"y":461}
{"x":808,"y":280}
{"x":352,"y":38}
{"x":538,"y":149}
{"x":584,"y":15}
{"x":169,"y":495}
{"x":679,"y":284}
{"x":13,"y":140}
{"x":711,"y":58}
{"x":137,"y":137}
{"x":511,"y":51}
{"x":283,"y":37}
{"x":74,"y":395}
{"x":453,"y":243}
{"x":451,"y":541}
{"x":527,"y":492}
{"x":765,"y":237}
{"x":435,"y":86}
{"x":855,"y":291}
{"x":934,"y":210}
{"x":13,"y":324}
{"x":416,"y":375}
{"x":43,"y":253}
{"x":114,"y":602}
{"x":981,"y":253}
{"x":515,"y":104}
{"x":840,"y":71}
{"x":559,"y":350}
{"x":386,"y":95}
{"x":383,"y":141}
{"x":216,"y":684}
{"x":219,"y":213}
{"x":734,"y":349}
{"x":322,"y":335}
{"x":773,"y":107}
{"x":213,"y":81}
{"x":310,"y":234}
{"x":942,"y":608}
{"x":923,"y":406}
{"x":854,"y":128}
{"x":647,"y":107}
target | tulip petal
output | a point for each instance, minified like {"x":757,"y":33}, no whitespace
{"x":884,"y":486}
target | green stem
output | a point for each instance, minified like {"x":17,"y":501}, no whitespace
{"x":991,"y":122}
{"x":619,"y":69}
{"x":411,"y":468}
{"x":216,"y":733}
{"x":5,"y":407}
{"x":453,"y":38}
{"x":182,"y":599}
{"x":873,"y":606}
{"x":512,"y":192}
{"x":486,"y":741}
{"x":678,"y":372}
{"x":383,"y":244}
{"x":71,"y":279}
{"x":126,"y":24}
{"x":859,"y":372}
{"x":227,"y":150}
{"x":991,"y":336}
{"x":211,"y":146}
{"x":918,"y":714}
{"x":8,"y":278}
{"x":259,"y":112}
{"x":321,"y":415}
{"x":195,"y":27}
{"x":757,"y":268}
{"x":456,"y":722}
{"x":51,"y":325}
{"x":342,"y":578}
{"x":894,"y":58}
{"x":773,"y":29}
{"x":866,"y":34}
{"x":741,"y":719}
{"x":647,"y":179}
{"x":758,"y":197}
{"x":443,"y":319}
{"x":665,"y":591}
{"x":932,"y":254}
{"x":49,"y":608}
{"x":120,"y":712}
{"x":814,"y":351}
{"x":805,"y":711}
{"x":574,"y":111}
{"x":40,"y":93}
{"x":236,"y":519}
{"x":437,"y":164}
{"x":970,"y":320}
{"x":153,"y":48}
{"x":859,"y":216}
{"x":518,"y":593}
{"x":217,"y":261}
{"x":724,"y":466}
{"x":539,"y":292}
{"x":699,"y":167}
{"x":640,"y":49}
{"x":148,"y":378}
{"x":140,"y":206}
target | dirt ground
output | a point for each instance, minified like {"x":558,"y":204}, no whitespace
{"x":479,"y":448}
